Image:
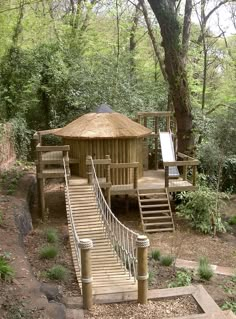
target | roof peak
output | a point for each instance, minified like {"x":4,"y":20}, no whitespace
{"x":104,"y":108}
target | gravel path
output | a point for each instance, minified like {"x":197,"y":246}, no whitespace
{"x":158,"y":309}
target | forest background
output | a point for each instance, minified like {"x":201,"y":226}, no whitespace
{"x":60,"y":59}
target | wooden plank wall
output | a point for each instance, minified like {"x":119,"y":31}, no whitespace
{"x":120,"y":151}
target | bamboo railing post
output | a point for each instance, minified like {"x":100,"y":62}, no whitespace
{"x":135,"y":177}
{"x":40,"y":184}
{"x":89,"y":169}
{"x":142,"y":244}
{"x":156,"y":141}
{"x":108,"y":180}
{"x":85,"y":246}
{"x":166,"y":176}
{"x":66,"y":158}
{"x":185,"y":169}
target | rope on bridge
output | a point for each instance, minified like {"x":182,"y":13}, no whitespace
{"x":76,"y":239}
{"x":123,"y":240}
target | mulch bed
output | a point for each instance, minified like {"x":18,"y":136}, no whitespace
{"x":158,"y":309}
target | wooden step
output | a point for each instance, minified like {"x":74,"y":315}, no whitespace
{"x":157,"y":230}
{"x":165,"y":211}
{"x":156,"y":217}
{"x":158,"y":224}
{"x":152,"y":206}
{"x":153,"y":200}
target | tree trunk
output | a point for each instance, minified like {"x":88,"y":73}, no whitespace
{"x":171,"y":31}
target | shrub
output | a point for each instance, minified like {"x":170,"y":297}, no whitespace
{"x":57,"y":272}
{"x":204,"y":269}
{"x":6,"y":271}
{"x":51,"y":235}
{"x":183,"y":278}
{"x":48,"y":252}
{"x":166,"y":260}
{"x":232,"y":220}
{"x":199,"y":207}
{"x":156,"y":254}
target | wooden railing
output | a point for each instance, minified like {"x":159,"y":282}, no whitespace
{"x":189,"y":169}
{"x":109,"y":169}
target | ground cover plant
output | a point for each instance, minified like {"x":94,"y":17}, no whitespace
{"x":205,"y":270}
{"x":48,"y":252}
{"x":57,"y":272}
{"x":183,"y":277}
{"x":51,"y":235}
{"x":6,"y":270}
{"x":166,"y":260}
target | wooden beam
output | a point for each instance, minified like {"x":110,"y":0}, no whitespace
{"x":52,"y":148}
{"x":124,"y":165}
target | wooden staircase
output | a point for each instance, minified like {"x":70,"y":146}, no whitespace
{"x":109,"y":275}
{"x":155,"y":210}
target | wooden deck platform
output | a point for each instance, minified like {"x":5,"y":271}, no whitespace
{"x":152,"y":180}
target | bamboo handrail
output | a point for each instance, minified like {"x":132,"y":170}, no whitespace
{"x":121,"y":237}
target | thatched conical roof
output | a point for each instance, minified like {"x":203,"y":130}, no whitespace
{"x":104,"y":123}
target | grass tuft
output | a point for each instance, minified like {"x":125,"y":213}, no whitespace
{"x":204,"y":271}
{"x":57,"y":272}
{"x":51,"y":235}
{"x":48,"y":252}
{"x":166,"y":260}
{"x":156,"y":254}
{"x":6,"y":271}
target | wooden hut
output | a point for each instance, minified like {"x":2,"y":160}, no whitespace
{"x":102,"y":133}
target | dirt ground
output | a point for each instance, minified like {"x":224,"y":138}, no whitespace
{"x":184,"y":243}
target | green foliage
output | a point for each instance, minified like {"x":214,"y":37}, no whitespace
{"x":6,"y":271}
{"x":150,"y":277}
{"x":229,"y":305}
{"x":22,"y":137}
{"x":51,"y":235}
{"x":232,"y":220}
{"x":155,"y":254}
{"x":166,"y":260}
{"x":9,"y":180}
{"x":229,"y":174}
{"x":57,"y":272}
{"x":48,"y":252}
{"x":199,"y":207}
{"x":183,"y":278}
{"x":204,"y":269}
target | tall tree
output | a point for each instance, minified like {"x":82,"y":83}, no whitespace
{"x":175,"y":38}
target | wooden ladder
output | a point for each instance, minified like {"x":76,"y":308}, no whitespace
{"x":109,"y":275}
{"x":155,"y":210}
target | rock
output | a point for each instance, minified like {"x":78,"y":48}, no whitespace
{"x":54,"y":310}
{"x":51,"y":291}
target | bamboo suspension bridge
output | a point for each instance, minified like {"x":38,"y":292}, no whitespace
{"x":114,"y":254}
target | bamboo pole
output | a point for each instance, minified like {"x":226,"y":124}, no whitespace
{"x":142,"y":244}
{"x":89,"y":170}
{"x":85,"y":246}
{"x":166,"y":176}
{"x":108,"y":180}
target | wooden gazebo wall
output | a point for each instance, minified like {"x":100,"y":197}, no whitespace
{"x":120,"y":150}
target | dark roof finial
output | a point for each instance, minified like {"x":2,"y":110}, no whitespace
{"x":104,"y":108}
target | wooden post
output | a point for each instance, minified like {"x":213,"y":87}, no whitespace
{"x":168,"y":123}
{"x":156,"y":142}
{"x":89,"y":169}
{"x":185,"y":169}
{"x":135,"y":177}
{"x":142,"y":244}
{"x":108,"y":180}
{"x":85,"y":246}
{"x":40,"y":184}
{"x":166,"y":176}
{"x":66,"y":158}
{"x":194,"y":175}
